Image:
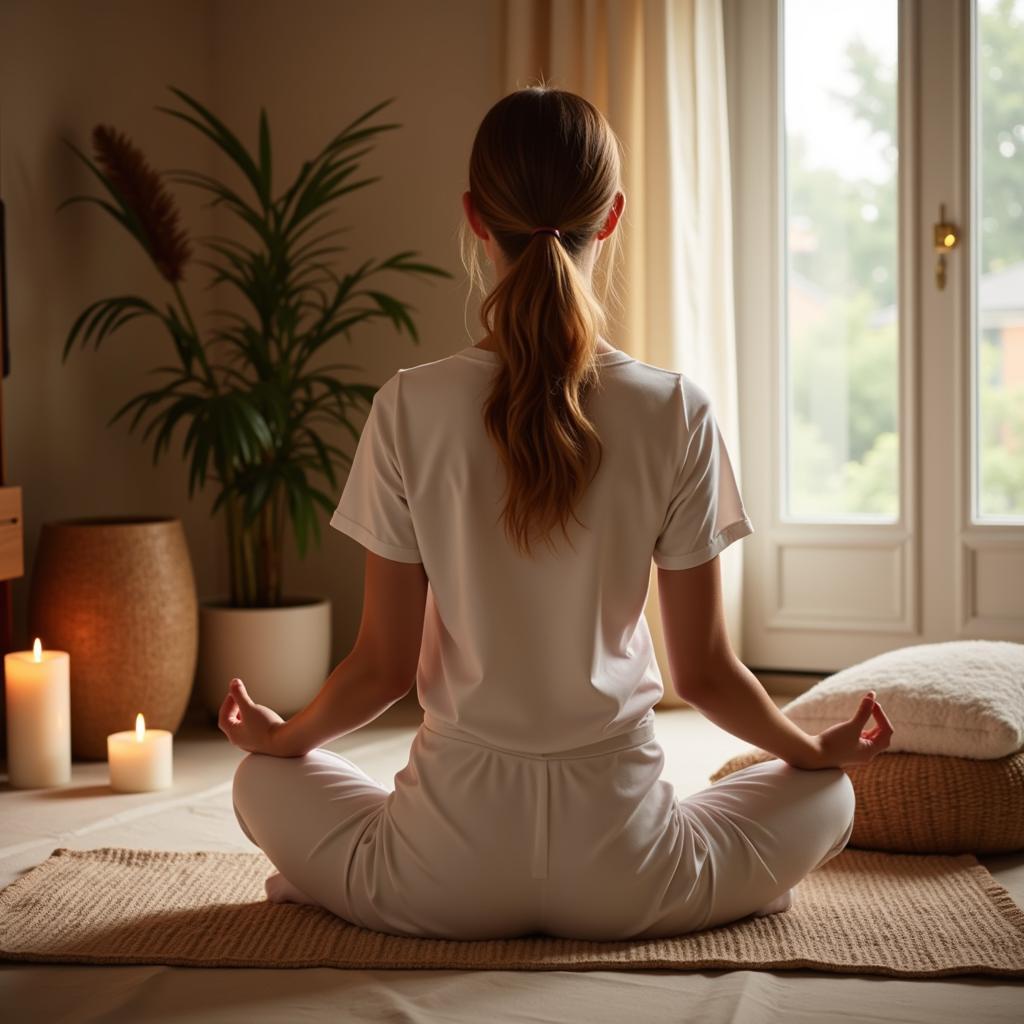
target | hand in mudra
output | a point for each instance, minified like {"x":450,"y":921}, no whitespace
{"x":249,"y":726}
{"x":848,"y":743}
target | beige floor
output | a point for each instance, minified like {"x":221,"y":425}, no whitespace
{"x":196,"y":815}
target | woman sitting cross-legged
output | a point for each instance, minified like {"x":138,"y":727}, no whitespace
{"x":511,"y":498}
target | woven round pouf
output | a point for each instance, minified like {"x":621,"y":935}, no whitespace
{"x":118,"y":594}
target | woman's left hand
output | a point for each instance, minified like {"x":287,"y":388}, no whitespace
{"x":247,"y":725}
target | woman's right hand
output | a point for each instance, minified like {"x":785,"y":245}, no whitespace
{"x":847,"y":743}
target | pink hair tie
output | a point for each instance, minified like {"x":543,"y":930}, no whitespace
{"x":550,"y":231}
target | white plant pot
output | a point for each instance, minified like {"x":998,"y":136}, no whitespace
{"x":282,"y":654}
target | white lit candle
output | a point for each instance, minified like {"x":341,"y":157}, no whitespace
{"x":38,"y":701}
{"x":141,"y":760}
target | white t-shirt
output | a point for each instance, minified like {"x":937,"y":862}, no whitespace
{"x":553,"y":652}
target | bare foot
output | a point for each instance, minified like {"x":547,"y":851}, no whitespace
{"x":780,"y":903}
{"x":280,"y":890}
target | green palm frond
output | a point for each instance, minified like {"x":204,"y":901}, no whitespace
{"x":260,"y":416}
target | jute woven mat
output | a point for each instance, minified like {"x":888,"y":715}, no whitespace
{"x":862,"y":912}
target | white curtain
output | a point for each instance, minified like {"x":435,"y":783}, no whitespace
{"x":656,"y":70}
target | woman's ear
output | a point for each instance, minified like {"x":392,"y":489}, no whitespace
{"x":471,"y":215}
{"x":614,"y":214}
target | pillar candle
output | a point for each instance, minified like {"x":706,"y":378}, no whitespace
{"x":38,"y":702}
{"x":140,"y":760}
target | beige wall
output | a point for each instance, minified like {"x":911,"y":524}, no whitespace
{"x":66,"y":66}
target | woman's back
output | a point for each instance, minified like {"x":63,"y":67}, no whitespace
{"x":550,"y":651}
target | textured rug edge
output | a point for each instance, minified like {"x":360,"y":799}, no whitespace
{"x":1000,"y":896}
{"x":117,"y":853}
{"x":653,"y":963}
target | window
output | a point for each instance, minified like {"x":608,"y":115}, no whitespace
{"x":999,"y":268}
{"x":840,"y":182}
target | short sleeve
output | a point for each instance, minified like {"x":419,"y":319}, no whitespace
{"x":705,"y":512}
{"x":373,"y":509}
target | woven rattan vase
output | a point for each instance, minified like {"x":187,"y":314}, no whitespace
{"x":118,"y":594}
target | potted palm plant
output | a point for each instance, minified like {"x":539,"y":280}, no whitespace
{"x":249,"y":387}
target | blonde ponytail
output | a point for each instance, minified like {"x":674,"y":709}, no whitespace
{"x":543,"y":158}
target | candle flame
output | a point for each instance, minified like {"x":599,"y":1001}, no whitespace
{"x":140,"y":727}
{"x":37,"y":650}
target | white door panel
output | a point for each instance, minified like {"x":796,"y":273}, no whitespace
{"x":860,"y":402}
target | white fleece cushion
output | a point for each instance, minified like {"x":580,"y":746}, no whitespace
{"x":964,"y":698}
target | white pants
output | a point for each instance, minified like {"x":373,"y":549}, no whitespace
{"x":480,"y":842}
